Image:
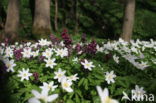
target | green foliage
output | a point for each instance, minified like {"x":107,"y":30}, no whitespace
{"x":144,"y":27}
{"x":85,"y":87}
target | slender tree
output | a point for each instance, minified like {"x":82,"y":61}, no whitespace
{"x":56,"y":15}
{"x":42,"y":25}
{"x":128,"y":21}
{"x":12,"y":20}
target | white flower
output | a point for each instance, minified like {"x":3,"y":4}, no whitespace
{"x":106,"y":52}
{"x":154,"y":61}
{"x":87,"y":65}
{"x":66,"y":84}
{"x":143,"y":48}
{"x":110,"y":77}
{"x":75,"y":59}
{"x":62,"y":44}
{"x":16,"y":43}
{"x":116,"y":59}
{"x":125,"y":96}
{"x":34,"y":45}
{"x":35,"y":53}
{"x":3,"y":44}
{"x":1,"y":51}
{"x":108,"y":46}
{"x":104,"y":95}
{"x":130,"y":58}
{"x":138,"y":93}
{"x":59,"y":75}
{"x":133,"y":49}
{"x":62,"y":52}
{"x":28,"y":44}
{"x":99,"y":49}
{"x":27,"y":53}
{"x":49,"y":86}
{"x":44,"y":42}
{"x":24,"y":74}
{"x":121,"y":41}
{"x":21,"y":46}
{"x":143,"y":65}
{"x":80,"y":52}
{"x":126,"y":49}
{"x":8,"y":52}
{"x":48,"y":53}
{"x":9,"y":64}
{"x":73,"y":77}
{"x":50,"y":62}
{"x":42,"y":96}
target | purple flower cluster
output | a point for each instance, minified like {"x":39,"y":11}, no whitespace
{"x":54,"y":39}
{"x":91,"y":47}
{"x":18,"y":54}
{"x":78,"y":48}
{"x":36,"y":76}
{"x":65,"y":36}
{"x":41,"y":58}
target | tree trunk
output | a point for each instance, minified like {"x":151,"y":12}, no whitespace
{"x":56,"y":15}
{"x":42,"y":25}
{"x":128,"y":20}
{"x":12,"y":21}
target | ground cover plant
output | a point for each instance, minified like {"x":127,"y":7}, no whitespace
{"x":60,"y":70}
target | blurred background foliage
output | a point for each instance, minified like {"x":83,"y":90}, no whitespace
{"x":98,"y":18}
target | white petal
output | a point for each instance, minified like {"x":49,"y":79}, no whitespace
{"x":114,"y":101}
{"x":100,"y":92}
{"x":105,"y":92}
{"x":45,"y":92}
{"x":35,"y":93}
{"x":69,"y":89}
{"x":52,"y":97}
{"x":125,"y":96}
{"x":33,"y":100}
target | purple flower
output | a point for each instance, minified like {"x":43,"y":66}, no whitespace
{"x":91,"y":48}
{"x":54,"y":39}
{"x":18,"y":54}
{"x":78,"y":48}
{"x":41,"y":58}
{"x":65,"y":36}
{"x":36,"y":76}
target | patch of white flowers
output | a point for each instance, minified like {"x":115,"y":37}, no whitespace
{"x":132,"y":52}
{"x":66,"y":81}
